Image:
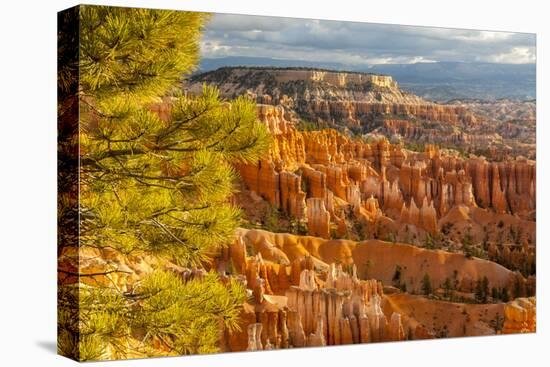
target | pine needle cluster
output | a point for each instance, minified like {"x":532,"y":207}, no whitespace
{"x":153,"y":184}
{"x":183,"y":317}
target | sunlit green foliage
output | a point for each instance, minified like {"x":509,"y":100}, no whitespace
{"x":184,"y":316}
{"x":137,"y":53}
{"x":162,"y":186}
{"x":153,"y":183}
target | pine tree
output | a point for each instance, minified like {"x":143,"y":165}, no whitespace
{"x":505,"y":295}
{"x":479,"y":291}
{"x":162,"y":187}
{"x":467,"y":244}
{"x":429,"y":243}
{"x":482,"y":290}
{"x":159,"y":186}
{"x":518,"y":287}
{"x":183,"y":316}
{"x":396,"y":279}
{"x":426,"y":285}
{"x":448,"y":287}
{"x":152,"y":185}
{"x":495,"y":294}
{"x":485,"y":287}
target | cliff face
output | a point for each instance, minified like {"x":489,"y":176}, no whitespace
{"x":333,"y":78}
{"x":257,"y":76}
{"x":520,"y":316}
{"x":446,"y":319}
{"x":301,"y":298}
{"x":352,"y":99}
{"x":384,"y":256}
{"x":307,"y":291}
{"x":315,"y":176}
{"x":374,"y":104}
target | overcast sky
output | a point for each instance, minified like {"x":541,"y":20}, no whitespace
{"x":355,"y":43}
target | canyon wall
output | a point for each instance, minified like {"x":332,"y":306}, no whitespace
{"x":334,"y":78}
{"x":376,"y":105}
{"x":316,"y":176}
{"x":380,"y":258}
{"x":319,"y":95}
{"x":295,"y":304}
{"x":307,"y":291}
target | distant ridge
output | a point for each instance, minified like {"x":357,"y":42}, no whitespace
{"x":439,"y":81}
{"x":308,"y":68}
{"x":208,"y":64}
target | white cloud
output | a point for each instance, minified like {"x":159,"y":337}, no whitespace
{"x":516,"y":55}
{"x":400,"y":60}
{"x":359,"y":43}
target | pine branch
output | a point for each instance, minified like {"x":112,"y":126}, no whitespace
{"x":92,"y":274}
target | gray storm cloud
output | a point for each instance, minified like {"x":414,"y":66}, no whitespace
{"x":359,"y":43}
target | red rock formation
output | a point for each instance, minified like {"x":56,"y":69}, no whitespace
{"x":292,"y":196}
{"x":424,"y":217}
{"x":384,"y":257}
{"x":341,"y":312}
{"x":254,"y":337}
{"x":520,"y":316}
{"x":350,"y":98}
{"x":305,"y":307}
{"x":414,"y":188}
{"x":263,"y":179}
{"x":318,"y":218}
{"x":316,"y":182}
{"x":359,"y":98}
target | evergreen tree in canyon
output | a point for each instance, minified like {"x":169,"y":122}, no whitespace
{"x":426,"y":285}
{"x":156,"y":175}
